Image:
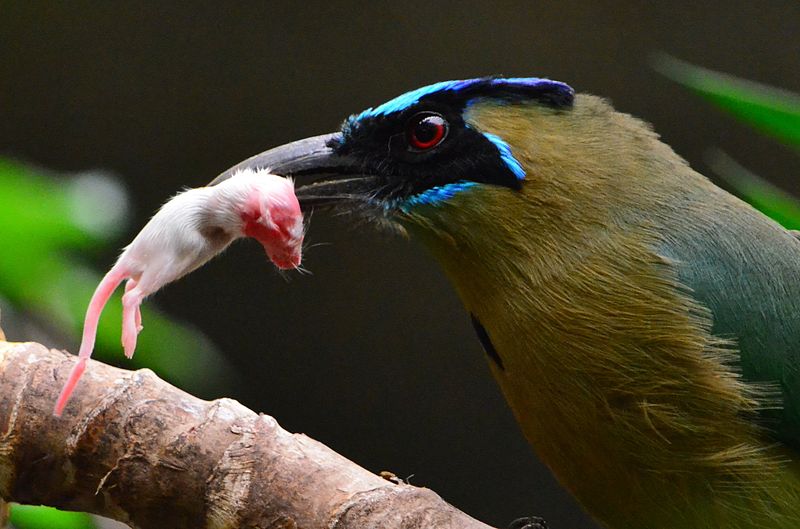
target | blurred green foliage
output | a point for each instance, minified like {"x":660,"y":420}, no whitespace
{"x":48,"y":228}
{"x":770,"y":110}
{"x":43,"y":231}
{"x":761,"y":194}
{"x":30,"y":517}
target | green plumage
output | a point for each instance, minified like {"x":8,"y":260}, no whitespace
{"x":647,"y":321}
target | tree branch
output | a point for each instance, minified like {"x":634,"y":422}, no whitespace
{"x":134,"y":448}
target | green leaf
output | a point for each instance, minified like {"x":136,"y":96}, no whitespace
{"x":762,"y":195}
{"x":771,"y":110}
{"x":40,"y":273}
{"x":32,"y":517}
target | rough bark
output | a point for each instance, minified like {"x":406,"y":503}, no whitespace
{"x":134,"y":448}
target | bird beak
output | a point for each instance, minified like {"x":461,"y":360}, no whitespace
{"x":322,"y":177}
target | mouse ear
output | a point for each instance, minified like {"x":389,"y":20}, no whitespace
{"x":266,"y":216}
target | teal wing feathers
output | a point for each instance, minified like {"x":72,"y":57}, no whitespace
{"x":746,"y":269}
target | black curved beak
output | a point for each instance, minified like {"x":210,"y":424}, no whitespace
{"x":322,"y":177}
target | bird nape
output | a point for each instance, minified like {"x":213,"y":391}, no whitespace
{"x":643,"y":324}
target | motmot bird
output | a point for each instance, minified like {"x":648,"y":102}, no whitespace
{"x":642,"y":323}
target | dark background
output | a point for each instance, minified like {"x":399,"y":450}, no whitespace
{"x":372,"y":354}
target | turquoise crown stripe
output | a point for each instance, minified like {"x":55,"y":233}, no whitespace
{"x":560,"y":94}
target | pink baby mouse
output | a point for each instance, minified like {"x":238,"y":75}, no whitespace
{"x":183,"y":235}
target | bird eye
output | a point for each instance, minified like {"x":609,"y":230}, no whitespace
{"x":426,"y":130}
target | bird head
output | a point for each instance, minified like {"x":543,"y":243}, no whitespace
{"x":495,"y":159}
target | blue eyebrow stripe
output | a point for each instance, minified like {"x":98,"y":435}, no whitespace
{"x":551,"y":92}
{"x":506,"y":155}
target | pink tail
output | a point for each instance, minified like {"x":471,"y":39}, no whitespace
{"x":107,"y":286}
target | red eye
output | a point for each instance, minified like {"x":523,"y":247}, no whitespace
{"x":426,"y":130}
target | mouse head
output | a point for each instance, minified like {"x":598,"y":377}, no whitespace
{"x":271,"y":215}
